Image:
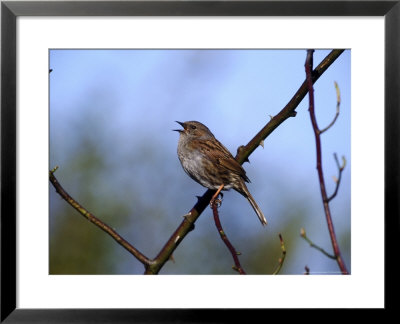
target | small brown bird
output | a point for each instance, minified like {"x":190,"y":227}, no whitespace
{"x":209,"y":163}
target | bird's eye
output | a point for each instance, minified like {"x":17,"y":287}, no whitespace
{"x":192,"y":127}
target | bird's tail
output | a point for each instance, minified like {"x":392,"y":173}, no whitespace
{"x":242,"y":189}
{"x":257,"y":209}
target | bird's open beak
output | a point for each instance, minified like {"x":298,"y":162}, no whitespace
{"x":179,"y":130}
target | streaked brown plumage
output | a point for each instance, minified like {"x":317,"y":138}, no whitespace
{"x":209,"y":163}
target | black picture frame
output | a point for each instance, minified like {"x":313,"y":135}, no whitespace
{"x":10,"y":10}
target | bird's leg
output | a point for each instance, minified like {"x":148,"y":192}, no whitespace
{"x":216,"y":195}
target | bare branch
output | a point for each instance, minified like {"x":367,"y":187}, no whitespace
{"x":317,"y":133}
{"x":103,"y":226}
{"x":289,"y":110}
{"x":183,"y":229}
{"x":237,"y":267}
{"x":282,"y":258}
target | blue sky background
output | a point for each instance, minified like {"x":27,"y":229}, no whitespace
{"x":111,"y":116}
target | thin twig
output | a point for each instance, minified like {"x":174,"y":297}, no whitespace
{"x":103,"y":226}
{"x":317,"y":132}
{"x":340,"y":169}
{"x":282,"y":258}
{"x":315,"y":246}
{"x":237,"y":267}
{"x":337,"y":109}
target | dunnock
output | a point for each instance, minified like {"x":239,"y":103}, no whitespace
{"x":209,"y":163}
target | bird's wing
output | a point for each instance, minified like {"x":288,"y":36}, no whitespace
{"x":221,"y":156}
